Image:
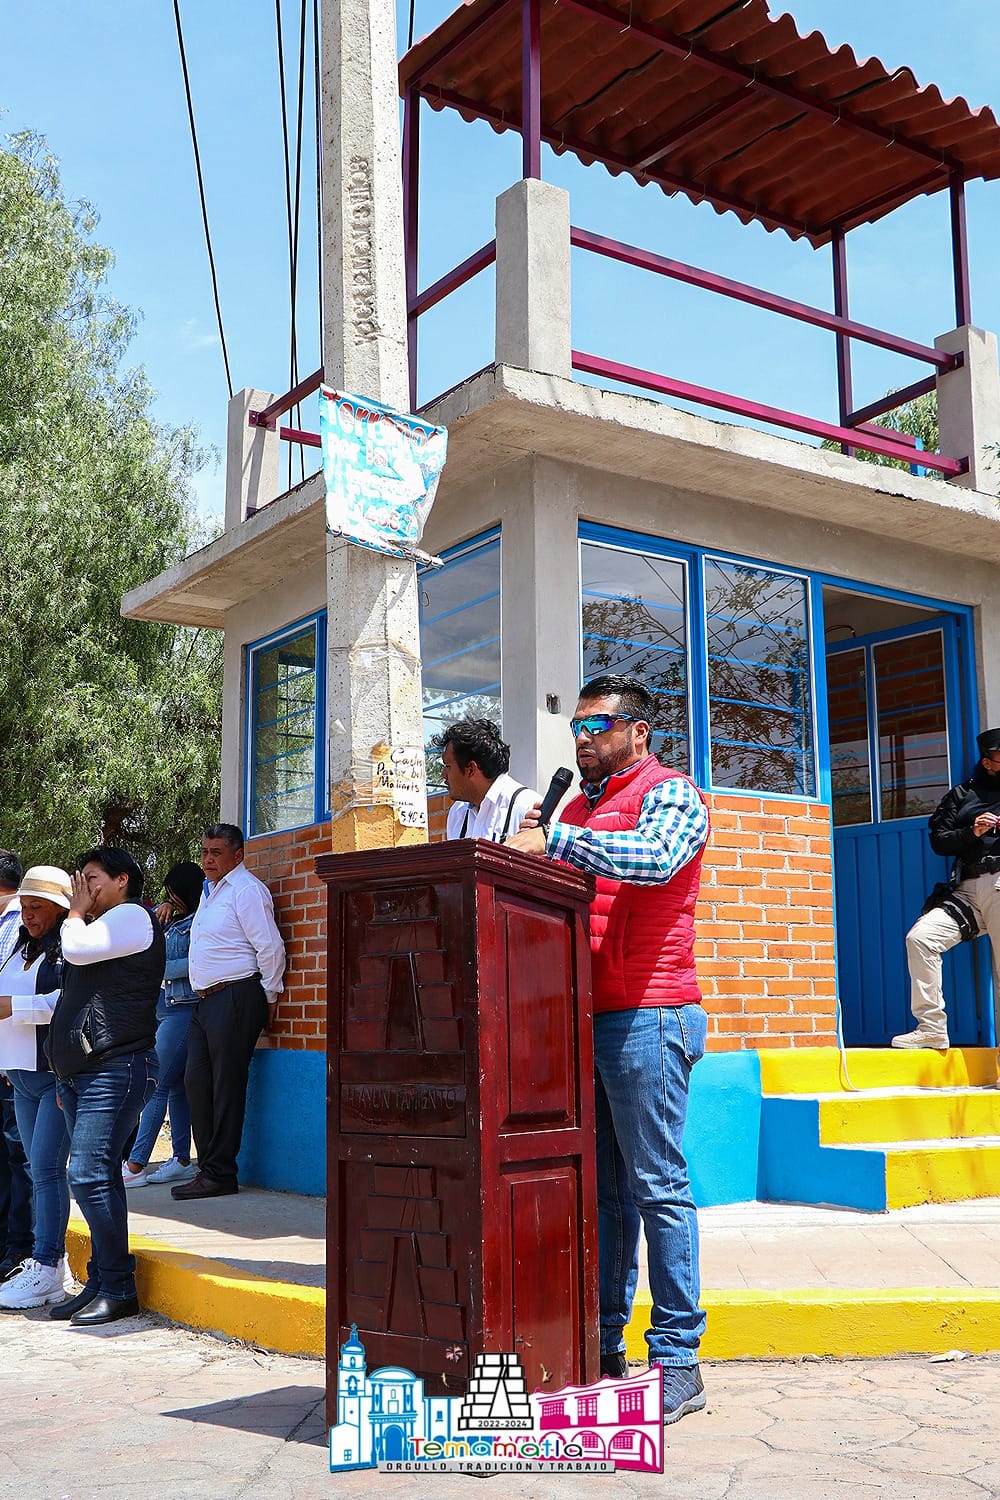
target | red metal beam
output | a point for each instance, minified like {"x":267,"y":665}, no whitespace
{"x":278,"y":407}
{"x":470,"y":267}
{"x":892,"y":196}
{"x":678,"y":271}
{"x":680,"y":46}
{"x":531,"y":88}
{"x":891,"y":400}
{"x":960,"y":253}
{"x":672,"y":181}
{"x":721,"y":110}
{"x":629,"y":375}
{"x":296,"y":435}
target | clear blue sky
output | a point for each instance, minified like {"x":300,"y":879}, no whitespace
{"x":101,"y":80}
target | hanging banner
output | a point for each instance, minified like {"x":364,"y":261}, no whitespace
{"x":381,"y":469}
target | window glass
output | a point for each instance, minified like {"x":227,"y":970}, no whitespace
{"x":633,"y":620}
{"x":912,"y":727}
{"x":283,"y":733}
{"x":460,"y":642}
{"x":847,"y":696}
{"x":759,"y":681}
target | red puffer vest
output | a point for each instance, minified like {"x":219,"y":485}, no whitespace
{"x":642,"y":936}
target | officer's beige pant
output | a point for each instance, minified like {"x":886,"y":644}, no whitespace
{"x":929,"y":939}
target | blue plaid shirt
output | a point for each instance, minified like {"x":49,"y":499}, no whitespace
{"x":671,"y":827}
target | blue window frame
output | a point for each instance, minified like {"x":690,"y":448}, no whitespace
{"x":286,"y":717}
{"x":460,"y":639}
{"x":725,"y":645}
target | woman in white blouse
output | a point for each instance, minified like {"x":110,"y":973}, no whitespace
{"x":29,"y":988}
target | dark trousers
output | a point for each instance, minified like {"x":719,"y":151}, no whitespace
{"x":221,"y":1038}
{"x":16,"y":1238}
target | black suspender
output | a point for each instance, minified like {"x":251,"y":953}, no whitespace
{"x":510,"y":813}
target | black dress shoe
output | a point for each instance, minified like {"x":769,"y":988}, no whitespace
{"x":102,"y":1309}
{"x":615,"y":1365}
{"x":203,"y":1187}
{"x":65,"y":1310}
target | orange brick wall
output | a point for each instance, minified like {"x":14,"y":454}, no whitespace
{"x":765,"y":925}
{"x":286,"y":864}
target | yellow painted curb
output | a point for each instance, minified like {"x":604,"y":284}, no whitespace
{"x":207,"y":1294}
{"x":863,"y":1324}
{"x":210,"y":1295}
{"x":945,"y":1175}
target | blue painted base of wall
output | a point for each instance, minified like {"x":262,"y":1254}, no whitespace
{"x":284,"y":1139}
{"x":723,"y":1128}
{"x":795,"y":1168}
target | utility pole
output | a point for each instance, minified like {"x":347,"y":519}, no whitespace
{"x":374,"y":707}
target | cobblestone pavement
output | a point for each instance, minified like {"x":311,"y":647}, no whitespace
{"x":142,"y":1410}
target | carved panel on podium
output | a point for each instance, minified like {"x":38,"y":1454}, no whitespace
{"x":539,"y":989}
{"x":402,"y":1067}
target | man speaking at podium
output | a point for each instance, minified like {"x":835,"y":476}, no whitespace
{"x":641,"y":830}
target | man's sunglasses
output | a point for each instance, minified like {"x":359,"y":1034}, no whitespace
{"x":599,"y":723}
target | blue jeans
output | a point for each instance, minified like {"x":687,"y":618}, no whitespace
{"x":41,"y":1125}
{"x":171,"y":1057}
{"x":643,"y":1060}
{"x":101,"y":1109}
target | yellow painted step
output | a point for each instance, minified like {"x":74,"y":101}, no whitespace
{"x":818,"y":1070}
{"x":911,"y":1115}
{"x":942,"y":1173}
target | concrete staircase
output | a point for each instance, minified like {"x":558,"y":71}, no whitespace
{"x":922,"y":1127}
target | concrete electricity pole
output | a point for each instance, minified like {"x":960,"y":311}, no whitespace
{"x":374,"y":706}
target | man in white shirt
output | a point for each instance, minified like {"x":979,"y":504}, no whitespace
{"x":487,"y":803}
{"x":236,"y":963}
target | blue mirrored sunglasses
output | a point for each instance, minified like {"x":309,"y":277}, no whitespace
{"x":599,"y":723}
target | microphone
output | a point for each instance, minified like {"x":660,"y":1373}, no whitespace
{"x":558,"y":787}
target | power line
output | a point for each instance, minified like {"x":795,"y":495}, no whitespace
{"x":201,"y":194}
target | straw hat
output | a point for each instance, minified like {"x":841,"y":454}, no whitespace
{"x":49,"y":883}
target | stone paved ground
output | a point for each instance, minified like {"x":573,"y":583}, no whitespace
{"x":146,"y":1411}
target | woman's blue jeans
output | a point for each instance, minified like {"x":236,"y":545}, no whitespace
{"x":41,"y":1125}
{"x":171,"y":1057}
{"x":101,"y":1109}
{"x":643,"y":1060}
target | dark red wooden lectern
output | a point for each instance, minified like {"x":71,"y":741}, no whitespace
{"x":462,"y":1201}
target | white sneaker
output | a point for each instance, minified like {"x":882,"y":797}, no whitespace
{"x":68,"y":1279}
{"x":937,"y":1041}
{"x":133,"y":1179}
{"x":173,"y":1171}
{"x":33,"y":1286}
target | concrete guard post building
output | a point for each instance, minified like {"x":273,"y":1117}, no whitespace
{"x":820,"y":631}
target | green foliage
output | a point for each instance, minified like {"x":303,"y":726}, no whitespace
{"x":919,"y":419}
{"x":109,"y":727}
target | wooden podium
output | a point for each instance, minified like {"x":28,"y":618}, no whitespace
{"x":461,"y":1189}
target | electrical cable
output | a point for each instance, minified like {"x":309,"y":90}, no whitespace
{"x":409,"y":35}
{"x":201,"y":194}
{"x":318,"y":106}
{"x":294,"y":269}
{"x":279,"y":39}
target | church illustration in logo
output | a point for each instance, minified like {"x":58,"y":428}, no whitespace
{"x":386,"y":1416}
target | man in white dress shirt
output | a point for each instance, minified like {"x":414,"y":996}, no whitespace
{"x":15,"y":1184}
{"x":236,"y":965}
{"x":486,"y":802}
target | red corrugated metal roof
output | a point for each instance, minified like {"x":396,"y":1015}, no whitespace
{"x":716,"y":100}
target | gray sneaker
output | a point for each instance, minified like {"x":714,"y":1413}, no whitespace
{"x":172,"y":1171}
{"x":683,"y":1392}
{"x":936,"y":1041}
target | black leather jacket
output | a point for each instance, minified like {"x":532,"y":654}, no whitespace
{"x":951,"y":825}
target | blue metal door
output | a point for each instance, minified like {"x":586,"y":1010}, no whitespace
{"x":897,"y":743}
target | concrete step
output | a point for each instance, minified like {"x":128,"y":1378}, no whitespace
{"x":825,"y":1070}
{"x":908,"y":1114}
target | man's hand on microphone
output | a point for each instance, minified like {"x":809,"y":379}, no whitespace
{"x":531,"y":818}
{"x":528,"y":840}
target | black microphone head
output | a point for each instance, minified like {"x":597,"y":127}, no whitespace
{"x":558,"y":786}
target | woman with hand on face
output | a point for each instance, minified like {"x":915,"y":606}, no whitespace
{"x":101,"y":1047}
{"x":29,"y":988}
{"x":182,"y":888}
